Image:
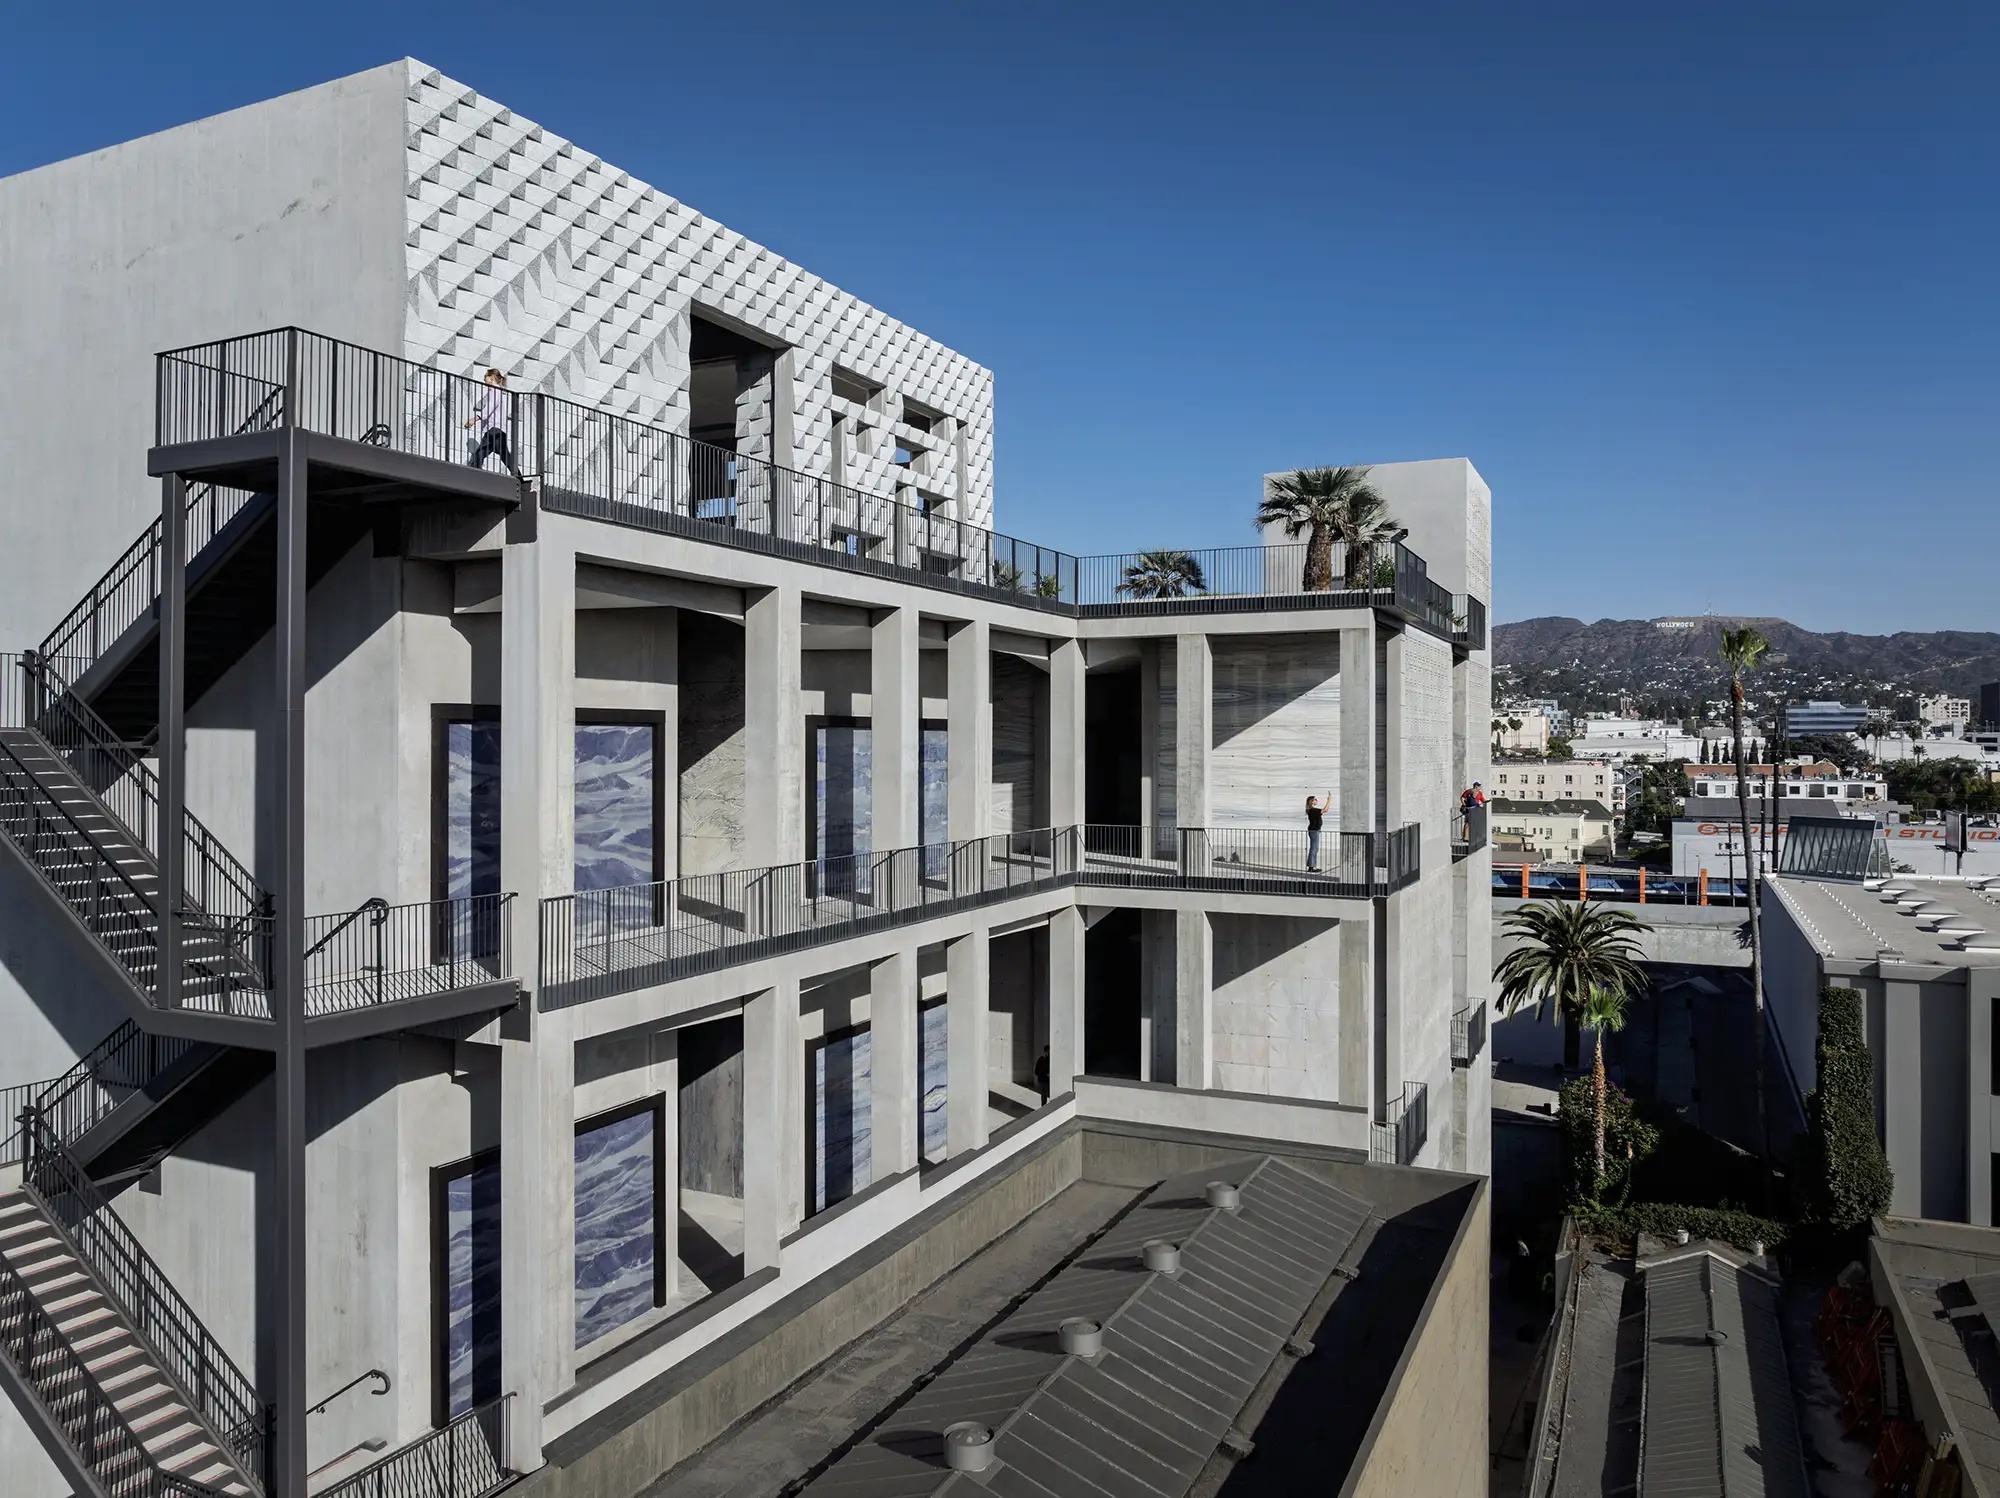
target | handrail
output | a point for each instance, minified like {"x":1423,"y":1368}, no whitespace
{"x":76,"y":1404}
{"x":373,"y":903}
{"x":464,"y":1458}
{"x":604,"y":466}
{"x":353,"y":1383}
{"x":129,"y":1058}
{"x":186,"y":1350}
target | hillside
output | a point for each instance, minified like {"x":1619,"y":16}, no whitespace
{"x":1639,"y":649}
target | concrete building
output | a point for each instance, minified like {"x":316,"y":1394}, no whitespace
{"x":1802,"y":718}
{"x":1530,"y":737}
{"x":1620,"y":740}
{"x":1555,"y":831}
{"x":1942,"y":711}
{"x":1924,"y":954}
{"x":1821,"y":781}
{"x":1560,"y":780}
{"x":621,"y":932}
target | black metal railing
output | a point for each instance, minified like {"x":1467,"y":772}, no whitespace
{"x":1345,"y":865}
{"x":1468,"y":621}
{"x":125,"y":1062}
{"x":466,"y":1458}
{"x":79,"y":1407}
{"x":1468,"y":1034}
{"x":603,"y":466}
{"x":185,"y":1349}
{"x":1468,"y":831}
{"x":1400,"y":1136}
{"x":12,"y":1100}
{"x":35,"y":694}
{"x":605,"y":941}
{"x":1122,"y":857}
{"x":382,"y":953}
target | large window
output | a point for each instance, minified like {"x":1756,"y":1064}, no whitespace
{"x":932,"y":1072}
{"x":841,"y":1067}
{"x":617,"y":803}
{"x":465,"y":1258}
{"x":621,"y":1194}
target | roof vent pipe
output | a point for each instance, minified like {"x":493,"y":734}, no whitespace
{"x":968,"y":1446}
{"x":1680,"y":1235}
{"x":1081,"y":1337}
{"x":1161,"y":1257}
{"x":1224,"y":1195}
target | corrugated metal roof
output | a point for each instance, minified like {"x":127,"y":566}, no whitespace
{"x":1719,"y":1421}
{"x":1182,"y":1352}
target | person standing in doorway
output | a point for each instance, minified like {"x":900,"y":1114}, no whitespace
{"x":1315,"y":817}
{"x":491,"y":419}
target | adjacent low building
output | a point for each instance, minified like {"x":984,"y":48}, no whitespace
{"x":1550,"y":831}
{"x":1818,"y":781}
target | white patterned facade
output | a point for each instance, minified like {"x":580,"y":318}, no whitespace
{"x":529,"y":254}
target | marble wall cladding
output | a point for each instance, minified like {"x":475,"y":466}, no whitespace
{"x":472,"y":808}
{"x":617,"y":1223}
{"x":1277,"y":729}
{"x":469,"y":1240}
{"x":615,"y":805}
{"x":711,"y":1107}
{"x":1276,"y":1006}
{"x":711,"y":742}
{"x":931,"y":1078}
{"x":843,"y":805}
{"x":934,"y":794}
{"x":1017,"y":744}
{"x":842,"y":1071}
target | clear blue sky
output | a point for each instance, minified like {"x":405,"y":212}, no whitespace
{"x":1706,"y":291}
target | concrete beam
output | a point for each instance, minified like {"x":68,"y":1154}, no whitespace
{"x":894,"y":1102}
{"x":1194,"y":1020}
{"x":773,"y":1164}
{"x":969,"y":723}
{"x":1357,"y":730}
{"x":896,"y":715}
{"x":1194,"y":717}
{"x":774,"y":730}
{"x":967,"y":967}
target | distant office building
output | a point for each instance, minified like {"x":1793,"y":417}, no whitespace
{"x":1619,"y":740}
{"x":1803,"y":718}
{"x":1531,"y":736}
{"x":1989,"y":705}
{"x":1560,"y":780}
{"x":1945,"y":712}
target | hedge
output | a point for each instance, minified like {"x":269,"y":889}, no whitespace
{"x":1846,"y":1180}
{"x":1663,"y":1219}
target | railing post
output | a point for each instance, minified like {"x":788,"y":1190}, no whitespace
{"x":291,"y":377}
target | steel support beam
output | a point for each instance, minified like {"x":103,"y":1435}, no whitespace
{"x":172,"y":849}
{"x":288,"y":978}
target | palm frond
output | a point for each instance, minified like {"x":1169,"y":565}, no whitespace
{"x":1163,"y":574}
{"x":1566,"y":950}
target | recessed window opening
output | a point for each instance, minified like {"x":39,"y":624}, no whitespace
{"x":850,"y":386}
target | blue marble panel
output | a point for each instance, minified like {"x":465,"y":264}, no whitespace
{"x":843,"y":1112}
{"x":471,"y":1248}
{"x":843,"y":807}
{"x":931,"y":1074}
{"x":614,"y":805}
{"x":472,"y":808}
{"x":934,"y":802}
{"x":617,"y":1221}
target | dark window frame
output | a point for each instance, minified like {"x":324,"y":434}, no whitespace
{"x":655,"y":1104}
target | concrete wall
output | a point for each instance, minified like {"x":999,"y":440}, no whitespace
{"x":1276,"y":730}
{"x":1277,"y":1003}
{"x":1430,"y":1437}
{"x":289,"y":211}
{"x":712,"y":744}
{"x":1702,"y":935}
{"x":1018,"y":794}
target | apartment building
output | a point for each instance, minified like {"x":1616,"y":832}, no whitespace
{"x":506,"y":973}
{"x":1521,"y":733}
{"x":1560,"y":780}
{"x":1818,"y":781}
{"x":1557,"y":831}
{"x":1945,"y":711}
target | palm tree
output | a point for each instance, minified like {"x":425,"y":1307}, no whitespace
{"x":1326,"y":505}
{"x":1566,"y":950}
{"x":1603,"y":1009}
{"x":1162,"y":574}
{"x":1742,"y":649}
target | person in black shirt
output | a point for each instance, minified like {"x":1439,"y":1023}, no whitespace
{"x":1313,"y":819}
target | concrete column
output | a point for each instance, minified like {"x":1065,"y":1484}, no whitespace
{"x":1980,"y":987}
{"x":897,"y":737}
{"x":894,"y":1103}
{"x":969,"y":723}
{"x":774,"y":730}
{"x":1389,"y":741}
{"x":1066,"y":1013}
{"x":667,"y":1078}
{"x":1357,"y":1013}
{"x":1902,"y":1093}
{"x":1194,"y":710}
{"x":1066,"y":715}
{"x":773,"y":1063}
{"x":1194,"y":1034}
{"x":1149,"y":741}
{"x":967,"y":965}
{"x":1357,"y":730}
{"x":1156,"y":996}
{"x":537,"y":1059}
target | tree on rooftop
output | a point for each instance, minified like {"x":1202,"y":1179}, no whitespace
{"x":1326,"y":505}
{"x":1567,"y":949}
{"x":1162,"y":574}
{"x":1742,"y":650}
